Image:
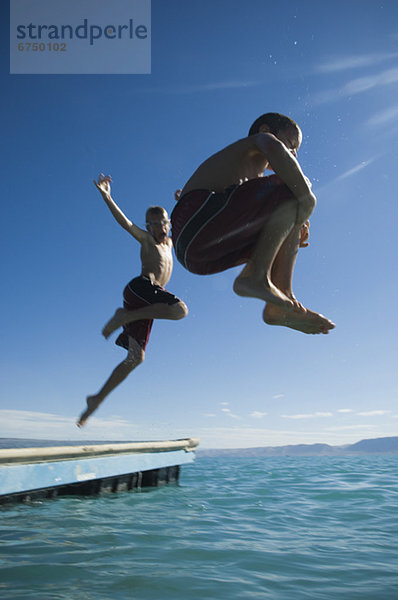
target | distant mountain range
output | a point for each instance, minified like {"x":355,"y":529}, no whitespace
{"x":372,"y":446}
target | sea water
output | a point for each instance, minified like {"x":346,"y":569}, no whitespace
{"x":233,"y":528}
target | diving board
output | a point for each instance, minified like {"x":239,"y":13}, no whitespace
{"x":47,"y":472}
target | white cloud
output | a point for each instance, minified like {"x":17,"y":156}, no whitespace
{"x":349,"y":173}
{"x":224,"y":403}
{"x":357,"y":86}
{"x":277,"y":396}
{"x":30,"y":424}
{"x":210,"y":415}
{"x":308,"y":416}
{"x":383,"y":117}
{"x":362,"y":165}
{"x":373,"y":413}
{"x":345,"y":410}
{"x":203,"y":87}
{"x":246,"y":437}
{"x":363,"y":84}
{"x":349,"y":427}
{"x":354,"y":61}
{"x":256,"y":414}
{"x":228,"y":412}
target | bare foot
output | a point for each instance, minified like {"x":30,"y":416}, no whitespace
{"x":114,"y":323}
{"x":92,"y":404}
{"x":264,"y":290}
{"x":303,"y":319}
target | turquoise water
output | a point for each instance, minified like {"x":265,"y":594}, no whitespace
{"x":279,"y":528}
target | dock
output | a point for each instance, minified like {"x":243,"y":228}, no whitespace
{"x":47,"y":472}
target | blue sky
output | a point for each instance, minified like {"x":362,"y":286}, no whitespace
{"x":220,"y":374}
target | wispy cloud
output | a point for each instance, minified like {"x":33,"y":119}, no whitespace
{"x":228,"y":412}
{"x":345,"y":410}
{"x":383,"y":117}
{"x":30,"y":424}
{"x":358,"y":86}
{"x":202,"y":87}
{"x":256,"y":414}
{"x":363,"y":84}
{"x":308,"y":415}
{"x":246,"y":437}
{"x":349,"y":428}
{"x":349,"y":173}
{"x":277,"y":396}
{"x":362,"y":165}
{"x":343,"y":63}
{"x":373,"y":413}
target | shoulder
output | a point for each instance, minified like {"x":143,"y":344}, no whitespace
{"x":248,"y":145}
{"x":142,"y":236}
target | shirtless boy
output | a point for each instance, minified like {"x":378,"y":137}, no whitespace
{"x":229,"y":214}
{"x":145,"y":297}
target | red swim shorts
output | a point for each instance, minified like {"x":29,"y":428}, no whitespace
{"x":138,"y":293}
{"x":214,"y":231}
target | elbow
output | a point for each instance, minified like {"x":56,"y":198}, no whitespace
{"x":180,"y":310}
{"x":268,"y":145}
{"x":265,"y":142}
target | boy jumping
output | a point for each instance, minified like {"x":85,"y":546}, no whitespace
{"x":145,"y":297}
{"x":229,"y":214}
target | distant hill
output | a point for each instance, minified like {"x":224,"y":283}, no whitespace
{"x":372,"y":446}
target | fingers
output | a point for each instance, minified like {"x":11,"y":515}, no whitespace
{"x":103,"y":178}
{"x":304,"y":235}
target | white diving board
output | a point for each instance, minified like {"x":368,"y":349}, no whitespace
{"x":28,"y":473}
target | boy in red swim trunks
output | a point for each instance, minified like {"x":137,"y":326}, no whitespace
{"x":145,"y":297}
{"x":229,"y":214}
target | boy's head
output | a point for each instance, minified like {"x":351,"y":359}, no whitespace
{"x":282,"y":127}
{"x":157,"y":222}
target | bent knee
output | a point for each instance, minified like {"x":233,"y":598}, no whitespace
{"x":180,"y":310}
{"x":306,"y":206}
{"x":134,"y":358}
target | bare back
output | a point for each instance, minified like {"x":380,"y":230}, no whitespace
{"x":236,"y":163}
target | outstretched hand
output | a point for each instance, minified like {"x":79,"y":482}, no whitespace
{"x":103,"y":184}
{"x":304,"y":235}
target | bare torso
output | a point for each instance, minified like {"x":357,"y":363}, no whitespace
{"x":157,"y":260}
{"x":236,"y":163}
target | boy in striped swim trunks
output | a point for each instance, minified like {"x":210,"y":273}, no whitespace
{"x":145,"y":297}
{"x":230,"y":214}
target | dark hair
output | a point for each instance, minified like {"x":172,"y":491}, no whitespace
{"x":154,"y":210}
{"x":275,"y":122}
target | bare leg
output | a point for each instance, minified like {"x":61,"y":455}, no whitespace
{"x":255,"y":279}
{"x":123,"y":316}
{"x":135,"y":357}
{"x":301,"y":319}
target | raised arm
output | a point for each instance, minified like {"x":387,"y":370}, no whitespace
{"x":103,"y":185}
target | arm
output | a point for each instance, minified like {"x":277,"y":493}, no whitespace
{"x":284,"y":164}
{"x":104,"y":188}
